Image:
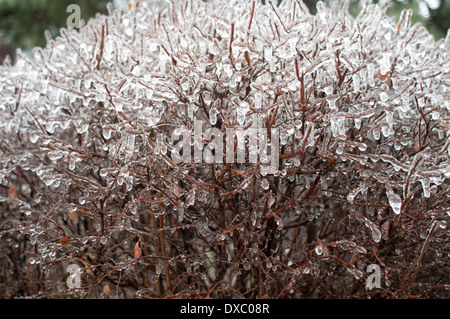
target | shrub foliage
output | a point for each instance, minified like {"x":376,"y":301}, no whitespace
{"x":88,"y":175}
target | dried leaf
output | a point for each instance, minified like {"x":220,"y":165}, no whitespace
{"x":137,"y":250}
{"x":73,"y":216}
{"x":389,"y":82}
{"x":87,"y":266}
{"x":326,"y":250}
{"x":385,"y":230}
{"x":12,"y":193}
{"x":64,"y":240}
{"x":92,"y":256}
{"x":247,"y":58}
{"x":106,"y":291}
{"x":176,"y":190}
{"x":417,"y":146}
{"x":382,"y":77}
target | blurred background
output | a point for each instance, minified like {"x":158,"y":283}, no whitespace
{"x":23,"y":22}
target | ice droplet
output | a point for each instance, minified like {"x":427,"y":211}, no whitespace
{"x":361,"y":250}
{"x":265,"y":184}
{"x":55,"y":155}
{"x":338,"y":126}
{"x":371,"y":74}
{"x":376,"y":133}
{"x":271,"y":201}
{"x":356,"y":82}
{"x":405,"y":102}
{"x":385,"y":63}
{"x":376,"y":233}
{"x":253,"y":218}
{"x":107,"y":132}
{"x":133,"y":208}
{"x":362,"y":147}
{"x":213,"y":116}
{"x":394,"y":201}
{"x":332,"y":104}
{"x":351,"y":197}
{"x":180,"y":214}
{"x":319,"y":250}
{"x":72,"y":161}
{"x":191,"y":198}
{"x":245,"y":183}
{"x":358,"y":274}
{"x":129,"y":183}
{"x":185,"y":83}
{"x":34,"y":138}
{"x":33,"y":240}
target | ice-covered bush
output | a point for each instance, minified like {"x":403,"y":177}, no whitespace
{"x":103,"y":166}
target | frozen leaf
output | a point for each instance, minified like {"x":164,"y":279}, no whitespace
{"x":137,"y":250}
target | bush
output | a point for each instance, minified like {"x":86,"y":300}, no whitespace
{"x":94,"y":176}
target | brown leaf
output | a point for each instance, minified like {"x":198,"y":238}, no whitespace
{"x":389,"y":82}
{"x":176,"y":190}
{"x":87,"y":266}
{"x":73,"y":216}
{"x":64,"y":240}
{"x":385,"y":230}
{"x":137,"y":250}
{"x":106,"y":291}
{"x":326,"y":251}
{"x":417,"y":146}
{"x":12,"y":193}
{"x":382,"y":77}
{"x":92,"y":256}
{"x":247,"y":58}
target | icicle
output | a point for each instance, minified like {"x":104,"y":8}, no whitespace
{"x":426,"y":186}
